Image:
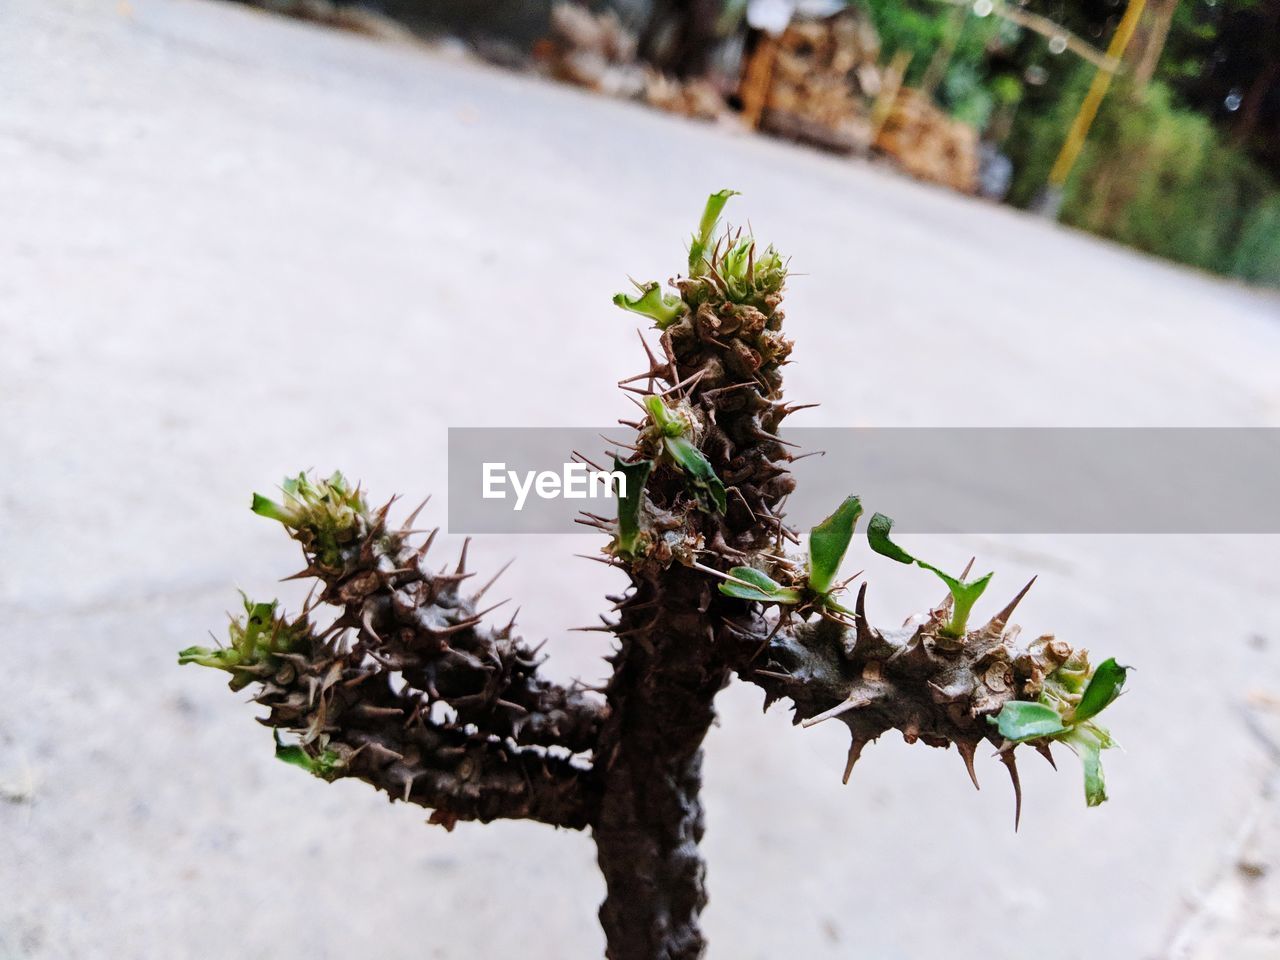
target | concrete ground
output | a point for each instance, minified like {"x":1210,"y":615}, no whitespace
{"x":233,"y":246}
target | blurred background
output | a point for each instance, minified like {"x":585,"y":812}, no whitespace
{"x":1154,"y":123}
{"x":235,"y":244}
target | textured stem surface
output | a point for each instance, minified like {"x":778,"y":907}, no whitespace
{"x":650,"y":819}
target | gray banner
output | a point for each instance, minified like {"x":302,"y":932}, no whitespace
{"x":945,"y":480}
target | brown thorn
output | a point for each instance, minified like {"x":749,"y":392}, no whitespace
{"x":733,"y":386}
{"x":462,"y":558}
{"x":607,"y":561}
{"x":488,"y":610}
{"x":775,"y":675}
{"x":408,"y":521}
{"x":494,"y":579}
{"x":648,"y":351}
{"x":690,"y":381}
{"x":456,"y":628}
{"x":1044,"y":751}
{"x":835,"y":711}
{"x":855,"y":751}
{"x":967,"y":750}
{"x":366,"y":621}
{"x":764,"y":643}
{"x":1000,"y":619}
{"x":590,"y":463}
{"x":811,"y":453}
{"x":1011,"y":763}
{"x":422,"y":550}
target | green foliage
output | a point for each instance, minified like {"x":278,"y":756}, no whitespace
{"x":828,"y":542}
{"x":662,"y":309}
{"x":325,"y":764}
{"x":630,"y":535}
{"x":752,"y":584}
{"x":1104,"y":686}
{"x":1088,"y":744}
{"x":256,"y":641}
{"x":323,"y":515}
{"x":1157,"y":177}
{"x":1073,"y":695}
{"x":964,"y":593}
{"x":1021,"y":720}
{"x":700,"y":244}
{"x":682,"y":452}
{"x":701,"y":475}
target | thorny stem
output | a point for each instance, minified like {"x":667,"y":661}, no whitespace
{"x":409,"y":690}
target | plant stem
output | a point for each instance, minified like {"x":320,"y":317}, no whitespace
{"x":650,"y":818}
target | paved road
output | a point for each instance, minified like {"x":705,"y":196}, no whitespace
{"x":233,"y":246}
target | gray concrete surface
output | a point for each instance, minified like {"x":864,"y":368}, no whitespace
{"x":233,"y":246}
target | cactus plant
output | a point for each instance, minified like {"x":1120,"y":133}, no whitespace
{"x":404,"y":684}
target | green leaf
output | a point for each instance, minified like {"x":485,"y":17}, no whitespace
{"x":325,"y":766}
{"x":964,"y":594}
{"x":706,"y":228}
{"x":265,"y":507}
{"x":702,"y":476}
{"x":1089,"y":749}
{"x":1104,"y":686}
{"x":629,"y":506}
{"x":220,"y":659}
{"x":1021,"y":720}
{"x":668,"y":423}
{"x":759,"y":586}
{"x":878,"y":537}
{"x":828,"y":542}
{"x":663,"y":309}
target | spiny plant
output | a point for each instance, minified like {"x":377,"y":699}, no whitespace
{"x":392,"y":675}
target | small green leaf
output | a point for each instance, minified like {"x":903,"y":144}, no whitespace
{"x":878,"y":537}
{"x":702,"y":476}
{"x":663,"y":309}
{"x":759,"y":586}
{"x":325,"y":766}
{"x":668,"y":423}
{"x":964,"y":594}
{"x":828,"y":542}
{"x":1103,"y":688}
{"x":265,"y":507}
{"x":1089,"y":748}
{"x":1022,"y":720}
{"x":706,"y":228}
{"x":220,"y":659}
{"x":629,"y":506}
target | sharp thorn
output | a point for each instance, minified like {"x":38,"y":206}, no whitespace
{"x":1011,"y":763}
{"x":1044,"y":751}
{"x":998,"y":622}
{"x":855,"y":751}
{"x":966,"y":751}
{"x":835,"y":711}
{"x":492,"y":580}
{"x":408,"y":521}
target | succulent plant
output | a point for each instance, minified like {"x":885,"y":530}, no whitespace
{"x":392,"y":675}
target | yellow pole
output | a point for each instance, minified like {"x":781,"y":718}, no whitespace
{"x":1097,"y":90}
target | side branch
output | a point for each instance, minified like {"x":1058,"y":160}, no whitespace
{"x":407,"y":688}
